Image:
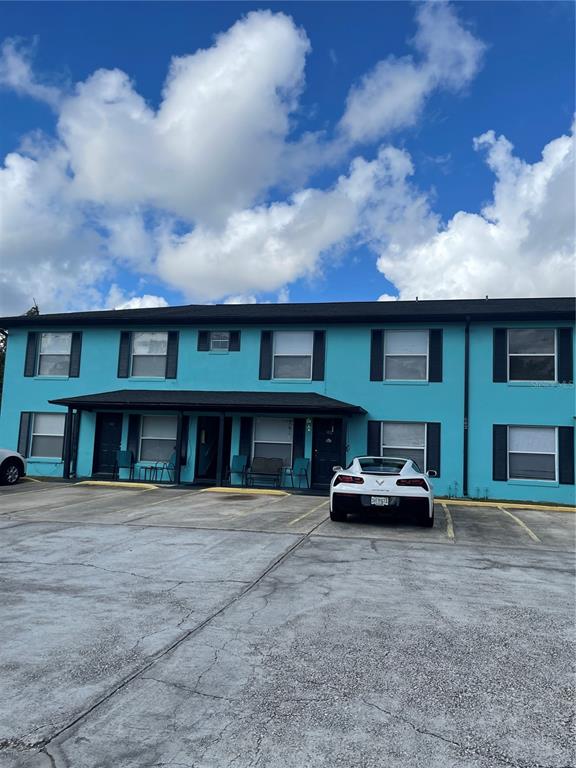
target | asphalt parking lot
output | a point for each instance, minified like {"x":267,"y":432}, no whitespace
{"x":169,"y":627}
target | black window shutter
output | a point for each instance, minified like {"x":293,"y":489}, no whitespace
{"x":374,"y":435}
{"x":203,"y":341}
{"x":31,"y":350}
{"x":500,"y":355}
{"x":185,"y":433}
{"x":266,"y":355}
{"x":24,"y":433}
{"x":75,"y":354}
{"x":566,"y":455}
{"x":377,"y":357}
{"x":298,"y":438}
{"x":172,"y":355}
{"x":234,"y":343}
{"x":433,"y":447}
{"x":319,"y":356}
{"x":435,"y":355}
{"x":124,"y":354}
{"x":500,"y":452}
{"x":565,"y":357}
{"x":133,"y":434}
{"x":245,"y":447}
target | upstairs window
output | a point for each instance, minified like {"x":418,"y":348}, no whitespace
{"x":54,"y":354}
{"x":219,"y":341}
{"x":149,"y":350}
{"x":406,"y":355}
{"x":531,"y":354}
{"x":532,"y":453}
{"x":405,"y":440}
{"x":293,"y":354}
{"x":273,"y":439}
{"x":47,"y":435}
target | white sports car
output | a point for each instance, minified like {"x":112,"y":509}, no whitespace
{"x":12,"y":466}
{"x":378,"y":483}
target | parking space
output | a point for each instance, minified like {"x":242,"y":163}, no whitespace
{"x":153,"y":627}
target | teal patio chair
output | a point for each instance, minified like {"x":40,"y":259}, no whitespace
{"x":124,"y":460}
{"x":237,"y":467}
{"x":166,"y":466}
{"x":300,"y":470}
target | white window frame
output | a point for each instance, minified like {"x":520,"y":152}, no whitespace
{"x":536,"y":453}
{"x":50,"y":354}
{"x":275,"y":355}
{"x":274,"y":442}
{"x":535,"y":354}
{"x":133,"y":355}
{"x":143,"y":437}
{"x":224,"y":336}
{"x":406,"y":447}
{"x":407,"y":354}
{"x":34,"y":434}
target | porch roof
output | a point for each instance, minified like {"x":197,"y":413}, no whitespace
{"x":194,"y":400}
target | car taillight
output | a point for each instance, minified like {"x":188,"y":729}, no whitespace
{"x":417,"y":481}
{"x":348,"y":479}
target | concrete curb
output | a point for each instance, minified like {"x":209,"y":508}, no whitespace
{"x":505,"y":504}
{"x":249,"y":491}
{"x":118,"y":484}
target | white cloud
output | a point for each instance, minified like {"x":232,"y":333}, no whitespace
{"x":393,"y":94}
{"x":241,"y":300}
{"x":117,"y":298}
{"x":521,"y":244}
{"x":264,"y":248}
{"x":17,"y":75}
{"x":47,"y":252}
{"x":215,"y":143}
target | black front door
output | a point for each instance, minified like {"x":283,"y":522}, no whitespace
{"x":207,"y":448}
{"x":327,"y":449}
{"x":106,"y":442}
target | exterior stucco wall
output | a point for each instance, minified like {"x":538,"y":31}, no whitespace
{"x":346,"y":378}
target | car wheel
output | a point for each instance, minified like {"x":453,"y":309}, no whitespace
{"x":338,"y":517}
{"x":426,"y":521}
{"x":10,"y":472}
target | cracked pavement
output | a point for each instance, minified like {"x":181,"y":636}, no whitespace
{"x":160,"y":642}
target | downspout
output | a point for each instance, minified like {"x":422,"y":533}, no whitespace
{"x":466,"y":405}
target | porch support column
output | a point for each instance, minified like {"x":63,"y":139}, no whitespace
{"x":66,"y":453}
{"x":344,"y":440}
{"x":220,"y":459}
{"x":178,"y":457}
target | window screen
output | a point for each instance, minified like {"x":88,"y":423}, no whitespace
{"x":406,"y":355}
{"x":293,"y":354}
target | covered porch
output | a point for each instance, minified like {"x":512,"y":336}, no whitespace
{"x":206,"y":437}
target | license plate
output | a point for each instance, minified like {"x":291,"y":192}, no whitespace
{"x":379,"y":501}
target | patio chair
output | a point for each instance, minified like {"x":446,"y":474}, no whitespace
{"x":124,"y":460}
{"x":300,"y":471}
{"x":237,"y":467}
{"x":165,"y":466}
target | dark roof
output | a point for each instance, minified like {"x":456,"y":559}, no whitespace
{"x":191,"y":400}
{"x":323,"y":313}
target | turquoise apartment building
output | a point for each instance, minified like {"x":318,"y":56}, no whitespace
{"x":481,"y":391}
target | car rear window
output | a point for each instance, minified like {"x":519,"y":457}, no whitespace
{"x":382,"y":466}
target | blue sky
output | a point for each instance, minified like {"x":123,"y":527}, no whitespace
{"x":423,"y":231}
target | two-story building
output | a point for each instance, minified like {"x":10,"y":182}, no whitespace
{"x":481,"y":391}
